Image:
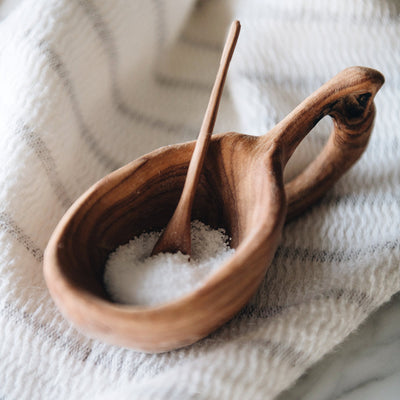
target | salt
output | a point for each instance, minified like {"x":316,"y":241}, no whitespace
{"x":133,"y":277}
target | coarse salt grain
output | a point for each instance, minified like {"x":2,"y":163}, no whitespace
{"x":133,"y":277}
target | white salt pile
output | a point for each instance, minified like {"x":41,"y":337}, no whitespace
{"x":133,"y":277}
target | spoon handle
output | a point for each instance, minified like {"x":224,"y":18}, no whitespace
{"x":349,"y":99}
{"x":176,"y":236}
{"x":207,"y":126}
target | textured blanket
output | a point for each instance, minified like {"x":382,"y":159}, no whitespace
{"x":87,"y":86}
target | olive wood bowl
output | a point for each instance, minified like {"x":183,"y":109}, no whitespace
{"x":241,"y":189}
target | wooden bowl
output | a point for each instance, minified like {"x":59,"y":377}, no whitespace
{"x":241,"y":189}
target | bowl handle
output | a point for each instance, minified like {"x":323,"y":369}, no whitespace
{"x":348,"y":99}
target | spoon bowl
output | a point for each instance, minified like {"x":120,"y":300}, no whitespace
{"x":240,"y":188}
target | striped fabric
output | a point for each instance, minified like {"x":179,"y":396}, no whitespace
{"x":88,"y":86}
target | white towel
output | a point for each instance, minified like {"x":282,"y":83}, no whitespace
{"x":87,"y":86}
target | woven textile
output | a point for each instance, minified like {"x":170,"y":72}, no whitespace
{"x":86,"y":87}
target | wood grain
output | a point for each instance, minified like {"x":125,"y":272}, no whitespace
{"x":241,"y":189}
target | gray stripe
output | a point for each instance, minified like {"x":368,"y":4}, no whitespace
{"x":362,"y":385}
{"x":49,"y":165}
{"x":297,"y":82}
{"x":243,"y":348}
{"x":353,"y":199}
{"x":59,"y":67}
{"x":179,"y":83}
{"x":309,"y":83}
{"x":110,"y":47}
{"x":212,"y":349}
{"x":53,"y":335}
{"x":334,"y":256}
{"x":75,"y":348}
{"x":351,"y":296}
{"x":200,"y":43}
{"x":277,"y":350}
{"x":9,"y":225}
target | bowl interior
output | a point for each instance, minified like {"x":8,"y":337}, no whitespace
{"x":142,"y":197}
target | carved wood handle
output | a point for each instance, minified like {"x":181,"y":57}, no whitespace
{"x":348,"y":99}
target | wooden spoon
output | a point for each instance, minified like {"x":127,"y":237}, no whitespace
{"x":241,"y":189}
{"x":176,"y":236}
